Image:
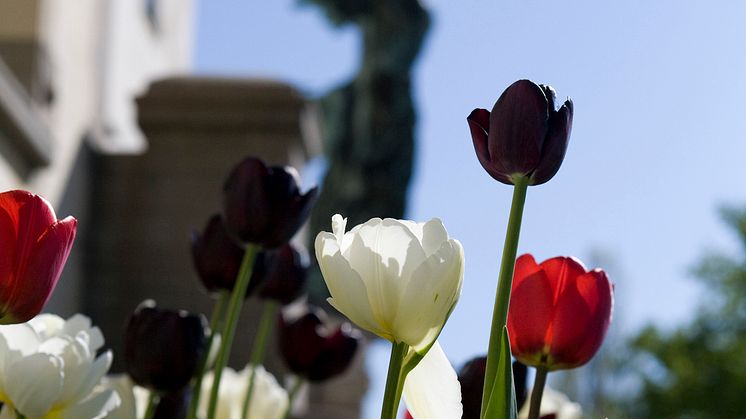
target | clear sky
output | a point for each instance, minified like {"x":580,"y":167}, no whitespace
{"x":658,"y":141}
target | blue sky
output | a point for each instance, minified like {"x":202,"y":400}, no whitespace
{"x":658,"y":141}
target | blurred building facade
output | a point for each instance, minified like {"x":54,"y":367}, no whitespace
{"x":98,"y":113}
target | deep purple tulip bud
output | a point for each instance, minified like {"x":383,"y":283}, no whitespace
{"x":216,"y":256}
{"x":163,"y":347}
{"x":279,"y":274}
{"x":313,"y":349}
{"x":173,"y":405}
{"x":523,"y":135}
{"x":263,"y":205}
{"x":471,"y":378}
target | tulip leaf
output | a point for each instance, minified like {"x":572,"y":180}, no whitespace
{"x":501,"y":403}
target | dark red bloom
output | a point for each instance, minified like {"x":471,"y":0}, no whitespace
{"x":559,"y":312}
{"x":163,"y":347}
{"x":263,"y":205}
{"x":471,"y":378}
{"x":279,"y":274}
{"x":216,"y":256}
{"x":35,"y":246}
{"x":523,"y":135}
{"x":312,"y":348}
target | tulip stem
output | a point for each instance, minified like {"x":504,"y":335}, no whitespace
{"x":152,"y":403}
{"x":297,"y":384}
{"x":394,"y":381}
{"x":504,"y":284}
{"x":216,"y":322}
{"x":229,"y":328}
{"x":537,"y":392}
{"x":258,"y":349}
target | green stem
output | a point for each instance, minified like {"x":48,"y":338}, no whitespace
{"x":229,"y":329}
{"x":259,"y":348}
{"x":216,"y":322}
{"x":152,"y":403}
{"x":292,"y":394}
{"x":504,"y":284}
{"x":392,"y":394}
{"x":537,"y":392}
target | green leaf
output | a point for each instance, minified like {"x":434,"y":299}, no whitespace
{"x":501,"y":404}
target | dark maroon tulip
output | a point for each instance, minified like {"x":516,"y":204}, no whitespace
{"x":524,"y":135}
{"x":173,"y":405}
{"x":313,"y":349}
{"x":163,"y":347}
{"x":216,"y":256}
{"x":279,"y":274}
{"x":263,"y":205}
{"x":471,"y":378}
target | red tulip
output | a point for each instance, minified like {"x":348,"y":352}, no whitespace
{"x":559,"y":312}
{"x":35,"y":246}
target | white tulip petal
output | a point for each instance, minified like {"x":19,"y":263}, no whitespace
{"x":433,"y":235}
{"x":123,"y":386}
{"x":430,"y":296}
{"x":20,"y":337}
{"x":339,"y":225}
{"x":348,"y":292}
{"x":432,"y":390}
{"x":36,"y":383}
{"x":97,"y":406}
{"x":553,"y":402}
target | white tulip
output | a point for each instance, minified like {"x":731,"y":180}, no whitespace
{"x":553,"y":402}
{"x":268,"y":399}
{"x":432,"y":389}
{"x":396,"y":278}
{"x":49,"y":369}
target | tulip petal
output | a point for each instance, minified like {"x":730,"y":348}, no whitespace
{"x":95,"y":406}
{"x":518,"y":125}
{"x":562,"y":269}
{"x":35,"y":283}
{"x":430,"y":296}
{"x":348,"y":292}
{"x":581,"y":318}
{"x":431,"y":389}
{"x":35,"y":382}
{"x":555,"y":145}
{"x":531,"y":310}
{"x":479,"y":123}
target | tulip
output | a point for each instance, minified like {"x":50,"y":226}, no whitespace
{"x":559,"y":312}
{"x":268,"y":400}
{"x":523,"y":135}
{"x":263,"y":205}
{"x":312,"y":348}
{"x":35,"y":248}
{"x":49,"y":369}
{"x":554,"y":405}
{"x":279,"y":274}
{"x":216,"y":256}
{"x":163,"y":347}
{"x":395,"y":278}
{"x":432,"y":389}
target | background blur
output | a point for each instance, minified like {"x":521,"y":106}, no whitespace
{"x":657,"y":144}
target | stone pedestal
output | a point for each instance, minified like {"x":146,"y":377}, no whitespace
{"x":145,"y":207}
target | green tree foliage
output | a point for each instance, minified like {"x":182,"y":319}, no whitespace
{"x":699,"y":370}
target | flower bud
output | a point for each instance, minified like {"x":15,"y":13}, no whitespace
{"x":559,"y":312}
{"x":163,"y":347}
{"x":35,"y":247}
{"x":471,"y":378}
{"x":217,"y":258}
{"x":523,"y":135}
{"x":312,"y":348}
{"x":279,"y":274}
{"x":263,"y":205}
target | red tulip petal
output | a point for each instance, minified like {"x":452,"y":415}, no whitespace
{"x":531,"y":307}
{"x":581,"y":319}
{"x":562,"y":269}
{"x":34,"y":284}
{"x":30,"y":215}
